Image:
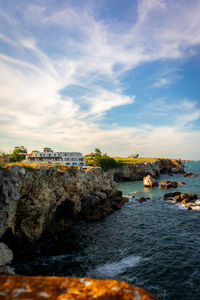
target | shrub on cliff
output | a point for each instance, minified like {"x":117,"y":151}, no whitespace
{"x":104,"y":161}
{"x":18,"y":154}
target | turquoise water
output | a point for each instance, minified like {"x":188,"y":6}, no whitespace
{"x":155,"y":245}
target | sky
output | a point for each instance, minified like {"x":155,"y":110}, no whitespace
{"x":122,"y":76}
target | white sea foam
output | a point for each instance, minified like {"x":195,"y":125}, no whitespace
{"x":180,"y":206}
{"x":113,"y":269}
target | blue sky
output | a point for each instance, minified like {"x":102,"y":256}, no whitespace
{"x":119,"y":75}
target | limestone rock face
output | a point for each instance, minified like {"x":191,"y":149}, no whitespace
{"x":149,"y":181}
{"x":21,"y":287}
{"x":6,"y":255}
{"x":166,"y":184}
{"x":139,"y":170}
{"x":48,"y":200}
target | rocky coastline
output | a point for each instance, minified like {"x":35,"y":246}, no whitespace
{"x":137,"y":171}
{"x":45,"y":201}
{"x":41,"y":202}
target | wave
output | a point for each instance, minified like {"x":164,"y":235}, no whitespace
{"x":116,"y":268}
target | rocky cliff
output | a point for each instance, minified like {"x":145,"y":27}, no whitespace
{"x":37,"y":202}
{"x":138,"y":170}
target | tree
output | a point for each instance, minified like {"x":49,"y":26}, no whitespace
{"x":104,"y":161}
{"x":18,"y":154}
{"x":107,"y":162}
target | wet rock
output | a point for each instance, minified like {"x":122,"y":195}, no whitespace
{"x":188,"y":206}
{"x":143,"y":199}
{"x":177,"y":199}
{"x":183,"y":195}
{"x":23,"y":287}
{"x":188,"y":200}
{"x":6,"y":255}
{"x":166,"y":184}
{"x":185,"y":201}
{"x":192,"y":196}
{"x":181,"y":183}
{"x":168,"y":196}
{"x":149,"y":181}
{"x":189,"y":174}
{"x":7,"y":270}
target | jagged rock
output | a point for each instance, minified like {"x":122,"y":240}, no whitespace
{"x":6,"y":255}
{"x":192,"y":196}
{"x":177,"y":199}
{"x":181,"y":183}
{"x":185,"y":201}
{"x":166,"y":184}
{"x":154,"y":168}
{"x":143,"y":199}
{"x":189,"y":174}
{"x":37,"y":202}
{"x":171,"y":166}
{"x":149,"y":181}
{"x":7,"y":270}
{"x":171,"y":195}
{"x":23,"y":287}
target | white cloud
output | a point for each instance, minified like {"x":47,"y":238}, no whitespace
{"x":89,"y":53}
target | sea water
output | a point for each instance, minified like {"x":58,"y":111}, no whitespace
{"x":154,"y":245}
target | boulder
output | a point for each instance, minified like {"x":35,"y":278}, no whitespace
{"x":168,"y":196}
{"x":181,"y":183}
{"x":166,"y":184}
{"x":6,"y":270}
{"x":192,"y":196}
{"x":149,"y":181}
{"x":177,"y":199}
{"x":6,"y":255}
{"x":143,"y":199}
{"x":185,"y":201}
{"x":189,"y":174}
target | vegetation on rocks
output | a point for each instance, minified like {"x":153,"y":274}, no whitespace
{"x":18,"y":154}
{"x":97,"y":159}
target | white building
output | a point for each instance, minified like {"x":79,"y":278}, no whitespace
{"x":63,"y":158}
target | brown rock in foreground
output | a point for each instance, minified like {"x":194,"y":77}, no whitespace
{"x":60,"y":288}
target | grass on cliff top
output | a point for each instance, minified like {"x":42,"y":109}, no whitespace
{"x":130,"y":160}
{"x":37,"y":166}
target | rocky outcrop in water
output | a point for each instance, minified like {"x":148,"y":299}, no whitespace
{"x":189,"y":174}
{"x":22,"y":287}
{"x":139,"y":170}
{"x":190,"y":201}
{"x":166,"y":184}
{"x":149,"y":181}
{"x":45,"y":201}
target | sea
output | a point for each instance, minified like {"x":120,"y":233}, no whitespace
{"x":154,"y":245}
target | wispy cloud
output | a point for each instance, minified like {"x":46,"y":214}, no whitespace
{"x":49,"y":48}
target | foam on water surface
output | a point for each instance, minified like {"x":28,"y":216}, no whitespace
{"x":115,"y":268}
